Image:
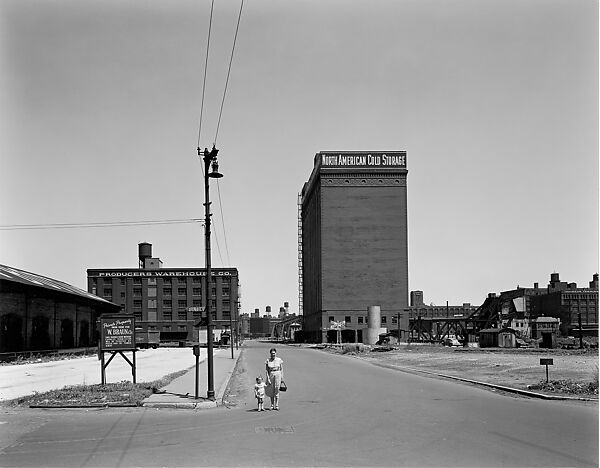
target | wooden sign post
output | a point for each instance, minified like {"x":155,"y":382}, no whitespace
{"x":547,"y":362}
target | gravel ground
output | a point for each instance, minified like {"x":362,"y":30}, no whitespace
{"x":515,"y":368}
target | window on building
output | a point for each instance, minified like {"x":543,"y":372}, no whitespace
{"x":152,"y":315}
{"x":384,"y":319}
{"x":138,"y":316}
{"x":360,"y":320}
{"x":181,"y":327}
{"x":226,"y":315}
{"x":181,"y":304}
{"x":225,"y":304}
{"x":151,"y":303}
{"x":137,"y":280}
{"x":166,"y":280}
{"x":151,"y":292}
{"x":167,"y":303}
{"x":107,"y":292}
{"x":196,"y":279}
{"x":151,"y":281}
{"x":394,"y":319}
{"x":197,"y":291}
{"x":167,"y":315}
{"x":166,"y":291}
{"x":181,"y":315}
{"x":331,"y":319}
{"x":225,"y":291}
{"x":137,"y":292}
{"x":122,"y":295}
{"x":347,"y":319}
{"x":213,"y":292}
{"x":181,"y":280}
{"x":122,"y":281}
{"x":181,"y":291}
{"x":196,"y":302}
{"x":137,"y":303}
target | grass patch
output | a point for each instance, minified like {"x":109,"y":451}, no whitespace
{"x":120,"y":393}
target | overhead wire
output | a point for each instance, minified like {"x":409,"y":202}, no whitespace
{"x":212,"y":6}
{"x":15,"y":227}
{"x":237,"y":28}
{"x":220,"y":113}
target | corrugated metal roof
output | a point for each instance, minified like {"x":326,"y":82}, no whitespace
{"x":32,"y":279}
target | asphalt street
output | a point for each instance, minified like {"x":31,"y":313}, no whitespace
{"x":338,"y":411}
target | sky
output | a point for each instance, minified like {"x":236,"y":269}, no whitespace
{"x":494,"y":101}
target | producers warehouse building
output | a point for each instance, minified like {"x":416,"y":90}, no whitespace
{"x":168,"y":300}
{"x":353,"y":243}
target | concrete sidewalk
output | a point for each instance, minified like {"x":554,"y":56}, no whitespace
{"x":181,"y":391}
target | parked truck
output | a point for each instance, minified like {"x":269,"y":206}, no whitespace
{"x":147,"y":339}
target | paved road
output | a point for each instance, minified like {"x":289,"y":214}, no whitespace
{"x":338,"y":411}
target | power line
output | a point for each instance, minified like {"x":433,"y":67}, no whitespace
{"x":229,"y":69}
{"x":212,"y":5}
{"x":15,"y":227}
{"x":223,"y":222}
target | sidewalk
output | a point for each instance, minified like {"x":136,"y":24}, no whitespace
{"x":181,"y":391}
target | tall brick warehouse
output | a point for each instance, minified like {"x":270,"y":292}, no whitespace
{"x":353,"y":243}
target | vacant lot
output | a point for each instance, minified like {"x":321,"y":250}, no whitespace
{"x":516,"y":368}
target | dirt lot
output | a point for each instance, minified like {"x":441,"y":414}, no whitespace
{"x":515,"y":368}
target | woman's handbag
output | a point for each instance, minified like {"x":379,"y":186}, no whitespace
{"x":282,"y":386}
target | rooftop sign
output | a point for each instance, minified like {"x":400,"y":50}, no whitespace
{"x":394,"y":159}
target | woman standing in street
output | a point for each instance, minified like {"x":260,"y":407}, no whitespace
{"x":274,"y":367}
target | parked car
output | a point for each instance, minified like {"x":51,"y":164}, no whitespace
{"x":451,"y":341}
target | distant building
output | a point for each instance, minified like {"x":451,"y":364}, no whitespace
{"x":519,"y":308}
{"x":168,"y":300}
{"x":569,"y":303}
{"x":418,"y":308}
{"x":41,"y":313}
{"x":353,"y":246}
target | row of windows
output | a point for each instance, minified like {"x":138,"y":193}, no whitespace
{"x":166,"y":280}
{"x":182,"y":303}
{"x":348,"y":319}
{"x":137,"y":292}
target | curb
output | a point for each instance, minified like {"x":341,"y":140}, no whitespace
{"x":528,"y":393}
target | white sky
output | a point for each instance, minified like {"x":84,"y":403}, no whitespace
{"x":495,"y":102}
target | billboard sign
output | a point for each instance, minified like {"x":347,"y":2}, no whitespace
{"x":117,"y":333}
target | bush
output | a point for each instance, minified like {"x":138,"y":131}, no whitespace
{"x":353,"y":348}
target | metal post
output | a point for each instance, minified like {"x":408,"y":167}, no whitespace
{"x":231,"y":333}
{"x":197,"y":373}
{"x":580,"y":331}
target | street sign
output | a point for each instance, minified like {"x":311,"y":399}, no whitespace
{"x":196,"y":309}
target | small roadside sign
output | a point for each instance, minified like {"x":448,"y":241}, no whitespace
{"x":546,"y":362}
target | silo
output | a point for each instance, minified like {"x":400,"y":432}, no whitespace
{"x":374,"y":325}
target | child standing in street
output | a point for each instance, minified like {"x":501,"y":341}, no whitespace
{"x":259,"y":392}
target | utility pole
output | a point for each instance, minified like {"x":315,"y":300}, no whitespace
{"x":210,"y":158}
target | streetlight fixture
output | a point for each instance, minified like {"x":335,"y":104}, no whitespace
{"x":210,"y":159}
